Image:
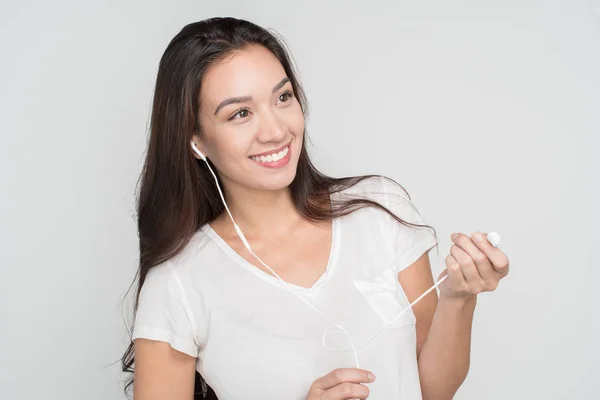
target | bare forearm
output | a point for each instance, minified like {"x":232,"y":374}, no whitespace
{"x":445,"y":355}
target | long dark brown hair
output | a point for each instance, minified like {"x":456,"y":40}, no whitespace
{"x":177,"y":193}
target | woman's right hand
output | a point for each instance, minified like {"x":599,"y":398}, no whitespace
{"x":341,"y":384}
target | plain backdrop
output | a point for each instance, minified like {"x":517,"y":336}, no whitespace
{"x":487,"y":112}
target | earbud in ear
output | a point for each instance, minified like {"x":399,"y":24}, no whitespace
{"x":202,"y":156}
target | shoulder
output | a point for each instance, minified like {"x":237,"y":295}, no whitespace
{"x":197,"y":248}
{"x":378,"y":188}
{"x":159,"y":277}
{"x":177,"y":275}
{"x":389,"y":194}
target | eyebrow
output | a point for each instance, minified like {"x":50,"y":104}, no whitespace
{"x":243,"y":99}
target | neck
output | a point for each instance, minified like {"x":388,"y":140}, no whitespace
{"x":259,"y":212}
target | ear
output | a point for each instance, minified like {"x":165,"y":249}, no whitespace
{"x":196,"y":145}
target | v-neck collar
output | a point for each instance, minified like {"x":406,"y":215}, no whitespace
{"x":266,"y":276}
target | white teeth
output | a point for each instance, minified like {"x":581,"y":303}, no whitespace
{"x":272,"y":157}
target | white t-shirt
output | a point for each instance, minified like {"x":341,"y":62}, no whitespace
{"x":256,"y":340}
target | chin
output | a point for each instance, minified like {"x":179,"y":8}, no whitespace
{"x":273,"y":181}
{"x":278,"y":183}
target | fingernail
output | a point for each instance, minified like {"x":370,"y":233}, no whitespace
{"x":453,"y":236}
{"x":477,"y":236}
{"x":371,"y":377}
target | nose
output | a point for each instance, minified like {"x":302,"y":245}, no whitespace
{"x":271,"y":128}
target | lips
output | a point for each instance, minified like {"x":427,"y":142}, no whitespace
{"x":271,"y":151}
{"x":275,"y":160}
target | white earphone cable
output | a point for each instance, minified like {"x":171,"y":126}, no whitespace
{"x":289,"y":288}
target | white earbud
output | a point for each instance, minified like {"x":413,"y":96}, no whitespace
{"x":202,"y":156}
{"x":494,"y":238}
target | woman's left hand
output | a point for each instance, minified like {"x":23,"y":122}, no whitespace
{"x":473,"y":266}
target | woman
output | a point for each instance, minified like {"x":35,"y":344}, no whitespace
{"x":352,"y":249}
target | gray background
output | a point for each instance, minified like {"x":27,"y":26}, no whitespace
{"x":486,"y":111}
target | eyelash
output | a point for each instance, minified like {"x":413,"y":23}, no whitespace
{"x":288,"y":92}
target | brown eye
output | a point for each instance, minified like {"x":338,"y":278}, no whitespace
{"x":285,"y":95}
{"x":242,"y":112}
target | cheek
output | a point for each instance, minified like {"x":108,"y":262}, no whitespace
{"x":298,"y":121}
{"x":233,"y":151}
{"x":299,"y":131}
{"x":230,"y":143}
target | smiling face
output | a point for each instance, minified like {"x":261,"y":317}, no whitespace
{"x":251,"y":123}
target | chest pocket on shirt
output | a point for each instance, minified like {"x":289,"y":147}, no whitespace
{"x":384,"y":294}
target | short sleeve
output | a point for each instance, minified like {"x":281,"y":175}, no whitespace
{"x":408,"y":243}
{"x":164,"y":312}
